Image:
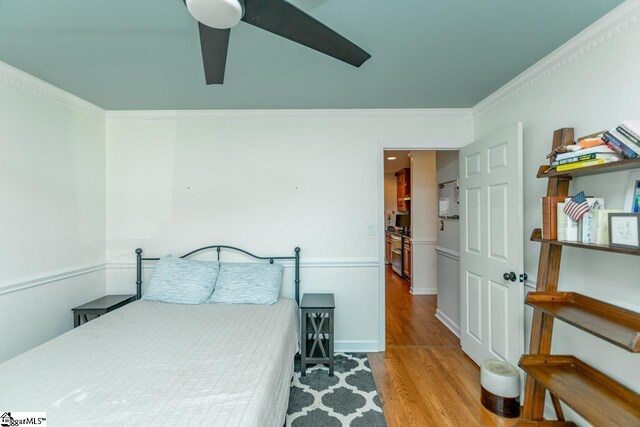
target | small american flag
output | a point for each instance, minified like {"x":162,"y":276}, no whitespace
{"x":577,"y":206}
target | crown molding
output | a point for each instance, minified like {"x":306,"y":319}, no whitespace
{"x":617,"y":21}
{"x":421,"y":113}
{"x":28,"y":83}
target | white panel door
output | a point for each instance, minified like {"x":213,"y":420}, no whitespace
{"x":491,"y":205}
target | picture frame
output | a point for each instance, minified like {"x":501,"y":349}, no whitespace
{"x":632,"y":199}
{"x":624,"y":230}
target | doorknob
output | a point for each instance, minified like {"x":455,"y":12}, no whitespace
{"x":509,"y":276}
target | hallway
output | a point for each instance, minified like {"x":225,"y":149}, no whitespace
{"x":423,"y":377}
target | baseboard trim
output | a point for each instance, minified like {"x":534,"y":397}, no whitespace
{"x":427,"y":291}
{"x":450,"y":324}
{"x":9,"y":287}
{"x":357,"y":346}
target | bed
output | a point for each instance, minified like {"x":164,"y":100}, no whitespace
{"x":152,"y":363}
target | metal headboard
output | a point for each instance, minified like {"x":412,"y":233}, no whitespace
{"x":218,"y":248}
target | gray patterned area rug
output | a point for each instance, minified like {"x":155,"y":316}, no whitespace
{"x":349,"y":398}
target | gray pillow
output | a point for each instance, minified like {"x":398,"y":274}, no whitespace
{"x":247,"y":283}
{"x":182,"y":281}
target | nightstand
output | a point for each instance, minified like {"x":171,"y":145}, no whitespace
{"x":316,"y":317}
{"x":100,"y":306}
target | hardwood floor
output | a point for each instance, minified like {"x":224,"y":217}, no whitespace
{"x":423,"y":377}
{"x":411,"y":318}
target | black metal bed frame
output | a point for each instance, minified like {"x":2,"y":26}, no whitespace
{"x":218,"y":248}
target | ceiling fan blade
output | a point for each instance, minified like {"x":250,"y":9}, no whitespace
{"x":214,"y":44}
{"x":285,"y":20}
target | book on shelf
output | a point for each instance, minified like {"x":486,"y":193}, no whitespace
{"x":586,"y":230}
{"x":550,"y":216}
{"x":632,"y":127}
{"x":608,"y":157}
{"x":561,"y":222}
{"x":626,"y":141}
{"x":599,"y":149}
{"x":592,"y":228}
{"x":585,"y":164}
{"x":601,"y":225}
{"x":618,"y":145}
{"x":629,"y":134}
{"x":567,"y":227}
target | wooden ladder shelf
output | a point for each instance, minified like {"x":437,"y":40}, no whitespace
{"x":598,"y":398}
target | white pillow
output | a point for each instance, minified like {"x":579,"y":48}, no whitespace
{"x":247,"y":283}
{"x":182,"y":281}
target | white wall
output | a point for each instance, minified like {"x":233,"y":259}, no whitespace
{"x":52,"y":212}
{"x":447,"y":249}
{"x":590,"y":84}
{"x":266,"y":181}
{"x":423,"y":222}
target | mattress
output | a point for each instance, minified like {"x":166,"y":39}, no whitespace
{"x":151,"y":363}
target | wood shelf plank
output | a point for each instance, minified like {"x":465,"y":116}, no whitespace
{"x":608,"y":322}
{"x":621,"y":165}
{"x":589,"y":392}
{"x":536,"y":236}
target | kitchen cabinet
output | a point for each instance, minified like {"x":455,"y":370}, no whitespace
{"x":403,"y":180}
{"x":406,"y":258}
{"x":387,"y":251}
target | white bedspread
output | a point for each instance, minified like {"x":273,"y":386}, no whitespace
{"x":162,"y":364}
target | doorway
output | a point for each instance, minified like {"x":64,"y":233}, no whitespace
{"x":423,"y":358}
{"x":415,"y":272}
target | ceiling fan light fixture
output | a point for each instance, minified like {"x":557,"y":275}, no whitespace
{"x":221,"y":14}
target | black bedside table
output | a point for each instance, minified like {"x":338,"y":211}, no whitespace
{"x":317,"y":331}
{"x":100,"y":306}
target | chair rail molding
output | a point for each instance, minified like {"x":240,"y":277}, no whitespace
{"x":424,"y":291}
{"x":308,"y":263}
{"x":449,"y":253}
{"x":423,"y":242}
{"x":19,"y":285}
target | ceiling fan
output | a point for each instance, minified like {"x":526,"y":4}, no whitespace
{"x":216,"y":17}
